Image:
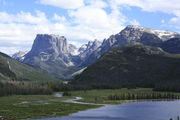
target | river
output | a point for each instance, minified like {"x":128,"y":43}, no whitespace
{"x":146,"y":110}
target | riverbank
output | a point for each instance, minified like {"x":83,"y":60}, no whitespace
{"x":118,"y":96}
{"x":145,"y":110}
{"x":46,"y":106}
{"x":37,"y":106}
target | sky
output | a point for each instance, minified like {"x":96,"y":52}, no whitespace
{"x":80,"y":21}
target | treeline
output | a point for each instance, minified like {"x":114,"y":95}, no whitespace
{"x":178,"y":118}
{"x":164,"y":86}
{"x":30,"y":88}
{"x":136,"y":96}
{"x":168,"y":86}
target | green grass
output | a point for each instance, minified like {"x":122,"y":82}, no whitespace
{"x":12,"y":69}
{"x":11,"y":109}
{"x":101,"y":96}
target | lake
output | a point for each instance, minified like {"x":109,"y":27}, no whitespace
{"x":146,"y":110}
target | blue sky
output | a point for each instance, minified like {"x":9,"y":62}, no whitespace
{"x":80,"y":20}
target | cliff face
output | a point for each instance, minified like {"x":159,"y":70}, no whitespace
{"x":50,"y":52}
{"x":53,"y":53}
{"x":135,"y":34}
{"x":134,"y":65}
{"x":11,"y":69}
{"x":48,"y":47}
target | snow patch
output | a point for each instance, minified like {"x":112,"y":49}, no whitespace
{"x":79,"y":71}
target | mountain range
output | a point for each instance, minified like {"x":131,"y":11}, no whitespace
{"x":55,"y":55}
{"x":131,"y":66}
{"x":11,"y":69}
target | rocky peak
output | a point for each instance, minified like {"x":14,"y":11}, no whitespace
{"x":166,"y":35}
{"x":90,"y":45}
{"x":19,"y":55}
{"x":82,"y":48}
{"x":49,"y":47}
{"x":136,"y":27}
{"x":96,"y":43}
{"x":132,"y":33}
{"x":48,"y":44}
{"x":73,"y":50}
{"x":89,"y":48}
{"x":135,"y":32}
{"x":52,"y":52}
{"x":108,"y":43}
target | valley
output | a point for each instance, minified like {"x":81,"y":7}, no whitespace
{"x":138,"y":64}
{"x":19,"y":107}
{"x":103,"y":96}
{"x":54,"y":54}
{"x":89,"y":60}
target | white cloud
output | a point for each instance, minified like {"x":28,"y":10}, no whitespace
{"x":23,"y":17}
{"x":175,"y":20}
{"x":93,"y":22}
{"x":165,"y":6}
{"x":66,"y":4}
{"x":10,"y":50}
{"x":56,"y":17}
{"x":19,"y":30}
{"x":87,"y":22}
{"x":162,"y":21}
{"x":95,"y":18}
{"x":134,"y":22}
{"x":96,"y":3}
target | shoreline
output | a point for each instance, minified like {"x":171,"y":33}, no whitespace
{"x":105,"y":105}
{"x":49,"y":106}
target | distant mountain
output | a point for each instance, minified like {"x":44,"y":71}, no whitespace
{"x":19,"y":55}
{"x":73,"y":50}
{"x":132,"y":34}
{"x":88,"y":50}
{"x":48,"y":47}
{"x":134,"y":65}
{"x":171,"y":46}
{"x":10,"y":69}
{"x":53,"y":53}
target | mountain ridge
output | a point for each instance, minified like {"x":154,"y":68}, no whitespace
{"x":10,"y":69}
{"x":130,"y":34}
{"x":134,"y":65}
{"x":68,"y":59}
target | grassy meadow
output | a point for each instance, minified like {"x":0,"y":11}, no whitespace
{"x":19,"y":107}
{"x":103,"y":96}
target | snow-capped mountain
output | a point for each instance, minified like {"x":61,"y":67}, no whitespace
{"x":53,"y":53}
{"x":73,"y":50}
{"x":131,"y":34}
{"x":137,"y":31}
{"x":49,"y":48}
{"x":19,"y":55}
{"x":88,"y":49}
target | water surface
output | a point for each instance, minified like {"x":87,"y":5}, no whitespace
{"x":148,"y":110}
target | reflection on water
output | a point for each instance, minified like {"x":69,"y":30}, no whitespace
{"x":149,"y":110}
{"x":58,"y":95}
